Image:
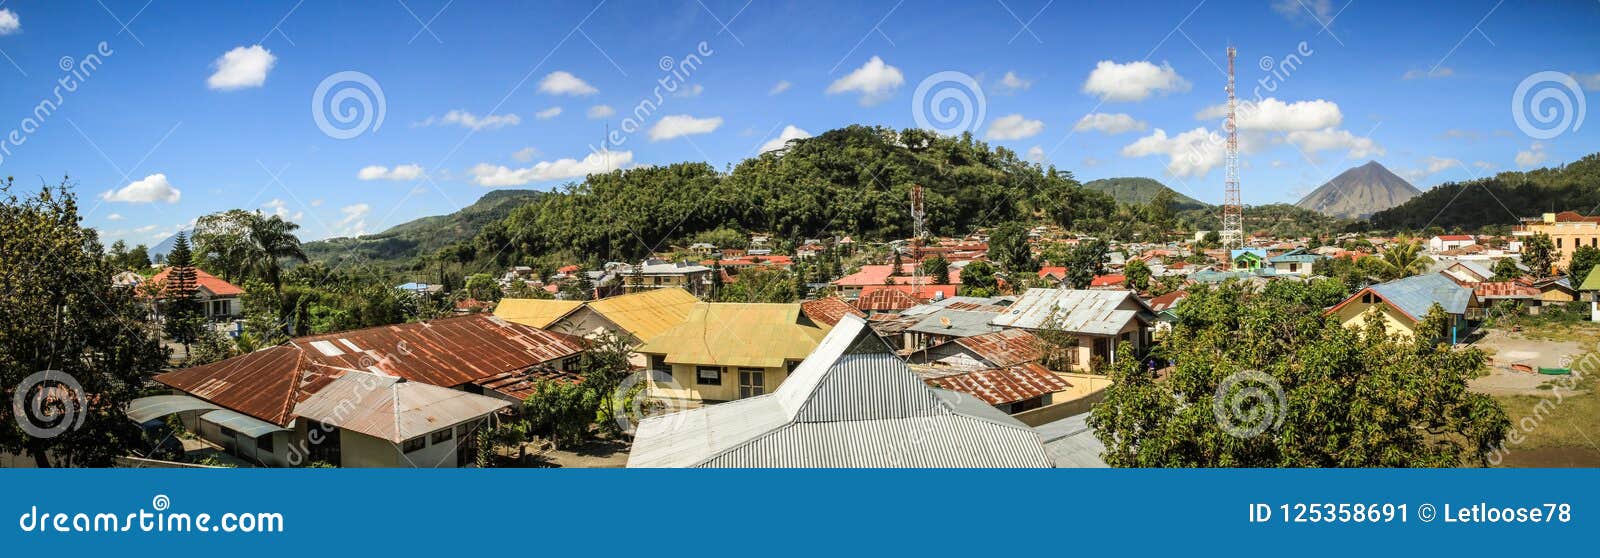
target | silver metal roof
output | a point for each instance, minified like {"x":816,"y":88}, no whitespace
{"x":1098,"y":312}
{"x":852,"y":403}
{"x":145,"y":409}
{"x":388,"y":408}
{"x":1072,"y":443}
{"x":242,"y":423}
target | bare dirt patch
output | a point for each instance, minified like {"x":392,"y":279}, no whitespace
{"x":1508,"y":349}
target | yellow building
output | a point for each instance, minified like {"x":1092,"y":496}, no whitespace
{"x":634,"y":317}
{"x":1567,"y":230}
{"x":1404,"y":303}
{"x":728,"y":351}
{"x":535,"y":312}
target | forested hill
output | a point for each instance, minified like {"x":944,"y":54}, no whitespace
{"x":1139,"y":190}
{"x":850,"y":181}
{"x":403,"y":243}
{"x":1499,"y":200}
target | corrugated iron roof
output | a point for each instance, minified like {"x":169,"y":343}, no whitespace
{"x":1096,"y":312}
{"x":885,"y":300}
{"x":1504,"y":290}
{"x":737,"y":334}
{"x":1416,"y":294}
{"x":828,"y":311}
{"x":646,"y":314}
{"x":959,"y":322}
{"x":1006,"y":384}
{"x":535,"y":312}
{"x":449,"y":352}
{"x":390,"y":409}
{"x":1005,"y":347}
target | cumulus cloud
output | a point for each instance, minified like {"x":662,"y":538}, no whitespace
{"x":1483,"y":165}
{"x":781,"y":86}
{"x":564,"y":83}
{"x":548,"y":113}
{"x":354,"y":222}
{"x":1011,"y":83}
{"x":875,"y":81}
{"x":1533,"y":156}
{"x":1036,"y":154}
{"x":679,"y":125}
{"x":399,"y":172}
{"x":152,"y":188}
{"x":1313,"y":141}
{"x":1134,"y":81}
{"x":601,"y":111}
{"x":1191,"y":153}
{"x":1274,"y":115}
{"x":1013,"y":127}
{"x":1109,"y":123}
{"x":790,"y":132}
{"x":525,"y":154}
{"x":1435,"y":163}
{"x":114,"y":217}
{"x":466,"y":119}
{"x":9,"y":23}
{"x":1316,"y":11}
{"x":489,"y":175}
{"x":281,"y":209}
{"x":240,"y":68}
{"x":1590,"y":82}
{"x":693,"y":90}
{"x":1440,"y":72}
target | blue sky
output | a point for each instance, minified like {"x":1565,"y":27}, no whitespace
{"x":200,"y":107}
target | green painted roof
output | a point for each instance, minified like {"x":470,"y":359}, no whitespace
{"x":1592,"y":282}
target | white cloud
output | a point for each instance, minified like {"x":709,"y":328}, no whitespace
{"x":486,"y":174}
{"x":1277,"y":116}
{"x":601,"y":111}
{"x":1035,"y":154}
{"x":153,"y":188}
{"x":1109,"y":123}
{"x":790,"y":132}
{"x":354,"y":222}
{"x":399,"y":172}
{"x":693,"y":90}
{"x":1091,"y":162}
{"x":146,"y":228}
{"x":468,"y":120}
{"x":114,"y":217}
{"x":1011,"y":83}
{"x":1013,"y":127}
{"x":1484,"y":165}
{"x":781,"y":86}
{"x":525,"y":154}
{"x":1533,"y":156}
{"x":1192,"y":153}
{"x":1435,"y":163}
{"x":1589,"y":82}
{"x":281,"y":209}
{"x":548,"y":113}
{"x":1318,"y":11}
{"x":679,"y":125}
{"x":1313,"y":141}
{"x":564,"y":83}
{"x":875,"y":81}
{"x":1134,"y":81}
{"x":241,"y":67}
{"x":1440,"y":72}
{"x":9,"y":23}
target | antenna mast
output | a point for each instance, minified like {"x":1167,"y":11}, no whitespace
{"x":918,"y":232}
{"x":1232,"y":209}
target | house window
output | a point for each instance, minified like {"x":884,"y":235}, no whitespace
{"x":228,"y":432}
{"x":1366,"y":298}
{"x":441,"y":436}
{"x":466,"y":445}
{"x":790,"y":365}
{"x":219,"y":308}
{"x":1294,"y":267}
{"x":1558,"y":242}
{"x":414,"y":444}
{"x":708,"y":375}
{"x":264,"y":443}
{"x":659,"y":363}
{"x":752,"y":382}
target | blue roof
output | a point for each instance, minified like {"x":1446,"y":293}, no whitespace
{"x":1415,"y":295}
{"x":1297,"y":255}
{"x":413,"y":287}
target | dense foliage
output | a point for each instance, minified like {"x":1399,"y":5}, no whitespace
{"x":1500,"y":199}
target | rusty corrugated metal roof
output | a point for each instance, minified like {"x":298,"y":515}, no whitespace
{"x":1005,"y":347}
{"x":1010,"y":384}
{"x":267,"y":384}
{"x":828,"y":311}
{"x":885,"y":300}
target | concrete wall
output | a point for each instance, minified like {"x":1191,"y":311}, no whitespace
{"x":685,"y":376}
{"x":1064,"y":404}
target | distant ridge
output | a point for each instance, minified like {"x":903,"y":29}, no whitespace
{"x":1139,"y":190}
{"x":1360,"y":192}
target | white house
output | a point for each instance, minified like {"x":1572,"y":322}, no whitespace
{"x":1446,"y":242}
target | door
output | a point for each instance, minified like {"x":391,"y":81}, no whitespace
{"x":752,"y":382}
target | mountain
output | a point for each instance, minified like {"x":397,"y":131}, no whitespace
{"x":1359,"y":192}
{"x":403,"y":242}
{"x":1139,"y":190}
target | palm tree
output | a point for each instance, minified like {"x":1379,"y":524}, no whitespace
{"x":1403,"y":260}
{"x":270,"y":239}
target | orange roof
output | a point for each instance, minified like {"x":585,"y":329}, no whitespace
{"x":1573,"y":217}
{"x":879,"y":274}
{"x":828,"y":311}
{"x":922,"y":293}
{"x":1055,"y":271}
{"x":568,"y":268}
{"x":1111,"y":280}
{"x":884,"y":300}
{"x":999,"y":386}
{"x":1455,"y":237}
{"x":211,"y":283}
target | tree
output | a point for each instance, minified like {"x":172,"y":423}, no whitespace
{"x":762,"y":284}
{"x":936,"y":269}
{"x":1263,"y":379}
{"x":182,"y":313}
{"x":1583,"y":260}
{"x":561,"y":410}
{"x":211,"y":346}
{"x":1402,"y":260}
{"x":61,"y":312}
{"x":1538,"y":253}
{"x":1138,"y":274}
{"x":978,"y":279}
{"x":1008,"y":247}
{"x":483,"y":287}
{"x":605,"y":366}
{"x":1088,"y":260}
{"x":1506,"y":270}
{"x":240,"y":245}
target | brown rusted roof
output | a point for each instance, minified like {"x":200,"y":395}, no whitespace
{"x":519,"y":384}
{"x":1504,"y":289}
{"x":828,"y":311}
{"x":885,"y":300}
{"x":1005,"y":347}
{"x":267,"y":384}
{"x":1010,"y":384}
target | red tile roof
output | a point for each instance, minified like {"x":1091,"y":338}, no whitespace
{"x":1168,"y":300}
{"x":1111,"y":280}
{"x":267,"y":384}
{"x":828,"y":311}
{"x":567,"y":269}
{"x":999,"y":386}
{"x":211,"y":283}
{"x":1055,"y":271}
{"x":1455,"y":237}
{"x":1573,"y":217}
{"x":879,"y":274}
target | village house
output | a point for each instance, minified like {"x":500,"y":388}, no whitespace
{"x":1011,"y":389}
{"x":1297,"y":262}
{"x":850,"y":286}
{"x":1098,"y":320}
{"x":950,"y":320}
{"x":633,"y":318}
{"x":885,"y":301}
{"x":850,"y":403}
{"x":1469,"y":271}
{"x":1404,"y":303}
{"x":828,"y":311}
{"x":1443,"y":242}
{"x":1248,"y":259}
{"x":658,"y":274}
{"x":219,"y":298}
{"x":405,"y":395}
{"x":1567,"y":229}
{"x":728,"y":351}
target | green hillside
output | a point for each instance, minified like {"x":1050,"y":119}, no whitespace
{"x":1499,"y":200}
{"x":1139,"y":190}
{"x":402,"y":243}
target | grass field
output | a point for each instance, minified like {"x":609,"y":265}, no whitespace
{"x":1561,"y":427}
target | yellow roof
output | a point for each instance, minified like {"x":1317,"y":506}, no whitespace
{"x":534,"y":312}
{"x":738,"y":334}
{"x":649,"y":313}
